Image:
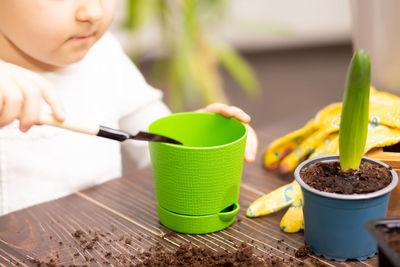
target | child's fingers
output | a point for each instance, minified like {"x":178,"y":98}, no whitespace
{"x":218,"y":108}
{"x":227,"y":111}
{"x":51,"y":97}
{"x":12,"y":101}
{"x":240,"y":114}
{"x":55,"y":104}
{"x":251,"y":145}
{"x":235,"y":112}
{"x":30,"y":110}
{"x":32,"y":96}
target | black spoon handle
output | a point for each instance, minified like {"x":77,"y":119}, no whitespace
{"x":114,"y":134}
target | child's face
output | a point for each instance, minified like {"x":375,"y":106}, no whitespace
{"x":51,"y":32}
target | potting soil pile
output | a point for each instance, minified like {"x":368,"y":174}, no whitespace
{"x":328,"y":177}
{"x":88,"y":244}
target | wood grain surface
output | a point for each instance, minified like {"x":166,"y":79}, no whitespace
{"x":116,"y":222}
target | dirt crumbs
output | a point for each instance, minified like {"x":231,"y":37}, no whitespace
{"x":328,"y":177}
{"x":305,"y":255}
{"x":87,"y":244}
{"x":114,"y":248}
{"x":190,"y":256}
{"x":302,"y":252}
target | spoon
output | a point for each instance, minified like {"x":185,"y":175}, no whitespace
{"x":102,"y":131}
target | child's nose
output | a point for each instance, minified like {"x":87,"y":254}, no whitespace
{"x":90,"y":10}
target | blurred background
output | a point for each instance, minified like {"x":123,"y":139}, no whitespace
{"x":280,"y":61}
{"x":277,"y":60}
{"x":274,"y":59}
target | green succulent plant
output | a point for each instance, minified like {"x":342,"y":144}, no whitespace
{"x":354,"y":119}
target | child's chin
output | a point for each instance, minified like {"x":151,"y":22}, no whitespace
{"x":73,"y":59}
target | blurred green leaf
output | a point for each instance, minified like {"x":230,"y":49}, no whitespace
{"x":139,"y":13}
{"x":162,"y":14}
{"x":176,"y":98}
{"x":190,"y":69}
{"x":190,"y":23}
{"x":212,"y":11}
{"x":238,"y":68}
{"x":207,"y":75}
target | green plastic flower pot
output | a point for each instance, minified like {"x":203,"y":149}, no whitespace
{"x":200,"y":224}
{"x":197,"y":184}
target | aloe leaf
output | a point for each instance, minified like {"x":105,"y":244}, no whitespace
{"x":354,"y":119}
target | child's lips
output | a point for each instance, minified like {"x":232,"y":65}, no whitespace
{"x":82,"y":38}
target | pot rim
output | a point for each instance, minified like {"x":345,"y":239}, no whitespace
{"x":335,"y":157}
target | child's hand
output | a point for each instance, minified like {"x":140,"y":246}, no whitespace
{"x":21,"y":93}
{"x":235,"y":112}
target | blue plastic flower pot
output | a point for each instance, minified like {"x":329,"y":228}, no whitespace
{"x":334,"y":223}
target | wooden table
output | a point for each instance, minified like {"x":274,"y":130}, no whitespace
{"x":121,"y":217}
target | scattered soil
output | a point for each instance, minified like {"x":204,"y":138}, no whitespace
{"x":89,"y":243}
{"x":187,"y":255}
{"x":95,"y":247}
{"x":305,"y":254}
{"x":392,"y":237}
{"x":328,"y":177}
{"x":302,"y":252}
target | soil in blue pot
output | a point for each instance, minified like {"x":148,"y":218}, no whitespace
{"x":328,"y":177}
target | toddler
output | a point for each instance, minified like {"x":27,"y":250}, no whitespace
{"x":57,"y":56}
